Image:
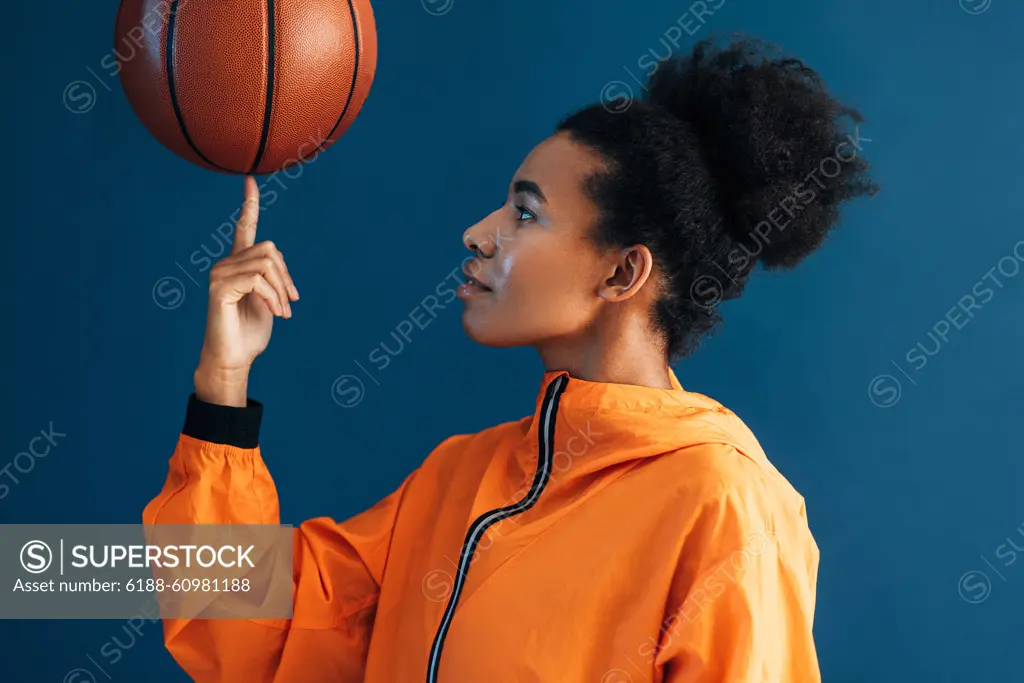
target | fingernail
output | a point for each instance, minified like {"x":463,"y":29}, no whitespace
{"x":295,"y":292}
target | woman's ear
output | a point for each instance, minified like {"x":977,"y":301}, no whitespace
{"x":629,"y":269}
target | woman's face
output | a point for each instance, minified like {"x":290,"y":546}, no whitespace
{"x":540,"y":277}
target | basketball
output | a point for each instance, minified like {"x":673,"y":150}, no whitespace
{"x":246,"y":86}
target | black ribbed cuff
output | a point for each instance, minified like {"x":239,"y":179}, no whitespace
{"x":239,"y":427}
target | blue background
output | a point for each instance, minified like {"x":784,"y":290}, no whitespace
{"x":903,"y":499}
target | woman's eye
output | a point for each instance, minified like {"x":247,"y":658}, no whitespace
{"x":524,"y":214}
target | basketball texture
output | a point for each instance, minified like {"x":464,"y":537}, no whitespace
{"x":246,"y":86}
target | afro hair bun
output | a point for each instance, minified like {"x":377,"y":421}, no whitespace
{"x":779,"y":148}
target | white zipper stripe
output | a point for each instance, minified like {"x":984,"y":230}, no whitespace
{"x":483,"y":523}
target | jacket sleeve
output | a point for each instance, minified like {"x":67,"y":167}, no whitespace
{"x":742,"y":601}
{"x":218,"y":477}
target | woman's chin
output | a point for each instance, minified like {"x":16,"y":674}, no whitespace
{"x":484,"y":332}
{"x":475,"y":328}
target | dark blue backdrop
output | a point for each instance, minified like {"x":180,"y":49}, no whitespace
{"x":912,"y":472}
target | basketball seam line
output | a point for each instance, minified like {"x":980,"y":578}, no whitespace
{"x":169,"y":63}
{"x":352,"y":88}
{"x":271,"y":39}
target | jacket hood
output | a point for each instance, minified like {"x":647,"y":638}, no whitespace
{"x":601,"y":425}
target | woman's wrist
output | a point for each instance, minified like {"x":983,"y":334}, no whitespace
{"x":221,"y":386}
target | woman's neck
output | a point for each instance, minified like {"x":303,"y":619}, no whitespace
{"x":624,"y":359}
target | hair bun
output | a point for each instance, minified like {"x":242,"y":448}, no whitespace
{"x":777,"y":145}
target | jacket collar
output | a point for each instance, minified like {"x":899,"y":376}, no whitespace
{"x":580,"y":393}
{"x":603,"y":424}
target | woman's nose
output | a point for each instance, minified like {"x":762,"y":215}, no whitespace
{"x":478,"y":242}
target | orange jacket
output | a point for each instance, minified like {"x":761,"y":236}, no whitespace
{"x":620,"y":534}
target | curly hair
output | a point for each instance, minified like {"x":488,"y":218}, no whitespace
{"x":734,"y":156}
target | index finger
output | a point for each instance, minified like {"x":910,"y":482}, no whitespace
{"x":245,"y":229}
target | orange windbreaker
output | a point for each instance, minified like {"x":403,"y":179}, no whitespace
{"x":619,"y":534}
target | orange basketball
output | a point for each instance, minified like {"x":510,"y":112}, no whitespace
{"x":246,"y":86}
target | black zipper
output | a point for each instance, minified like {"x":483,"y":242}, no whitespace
{"x":545,"y":445}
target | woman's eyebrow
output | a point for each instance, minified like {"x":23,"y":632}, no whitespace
{"x":531,"y":188}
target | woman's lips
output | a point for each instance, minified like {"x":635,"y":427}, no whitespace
{"x":472,"y":289}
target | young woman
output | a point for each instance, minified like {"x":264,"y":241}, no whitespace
{"x":628,"y":530}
